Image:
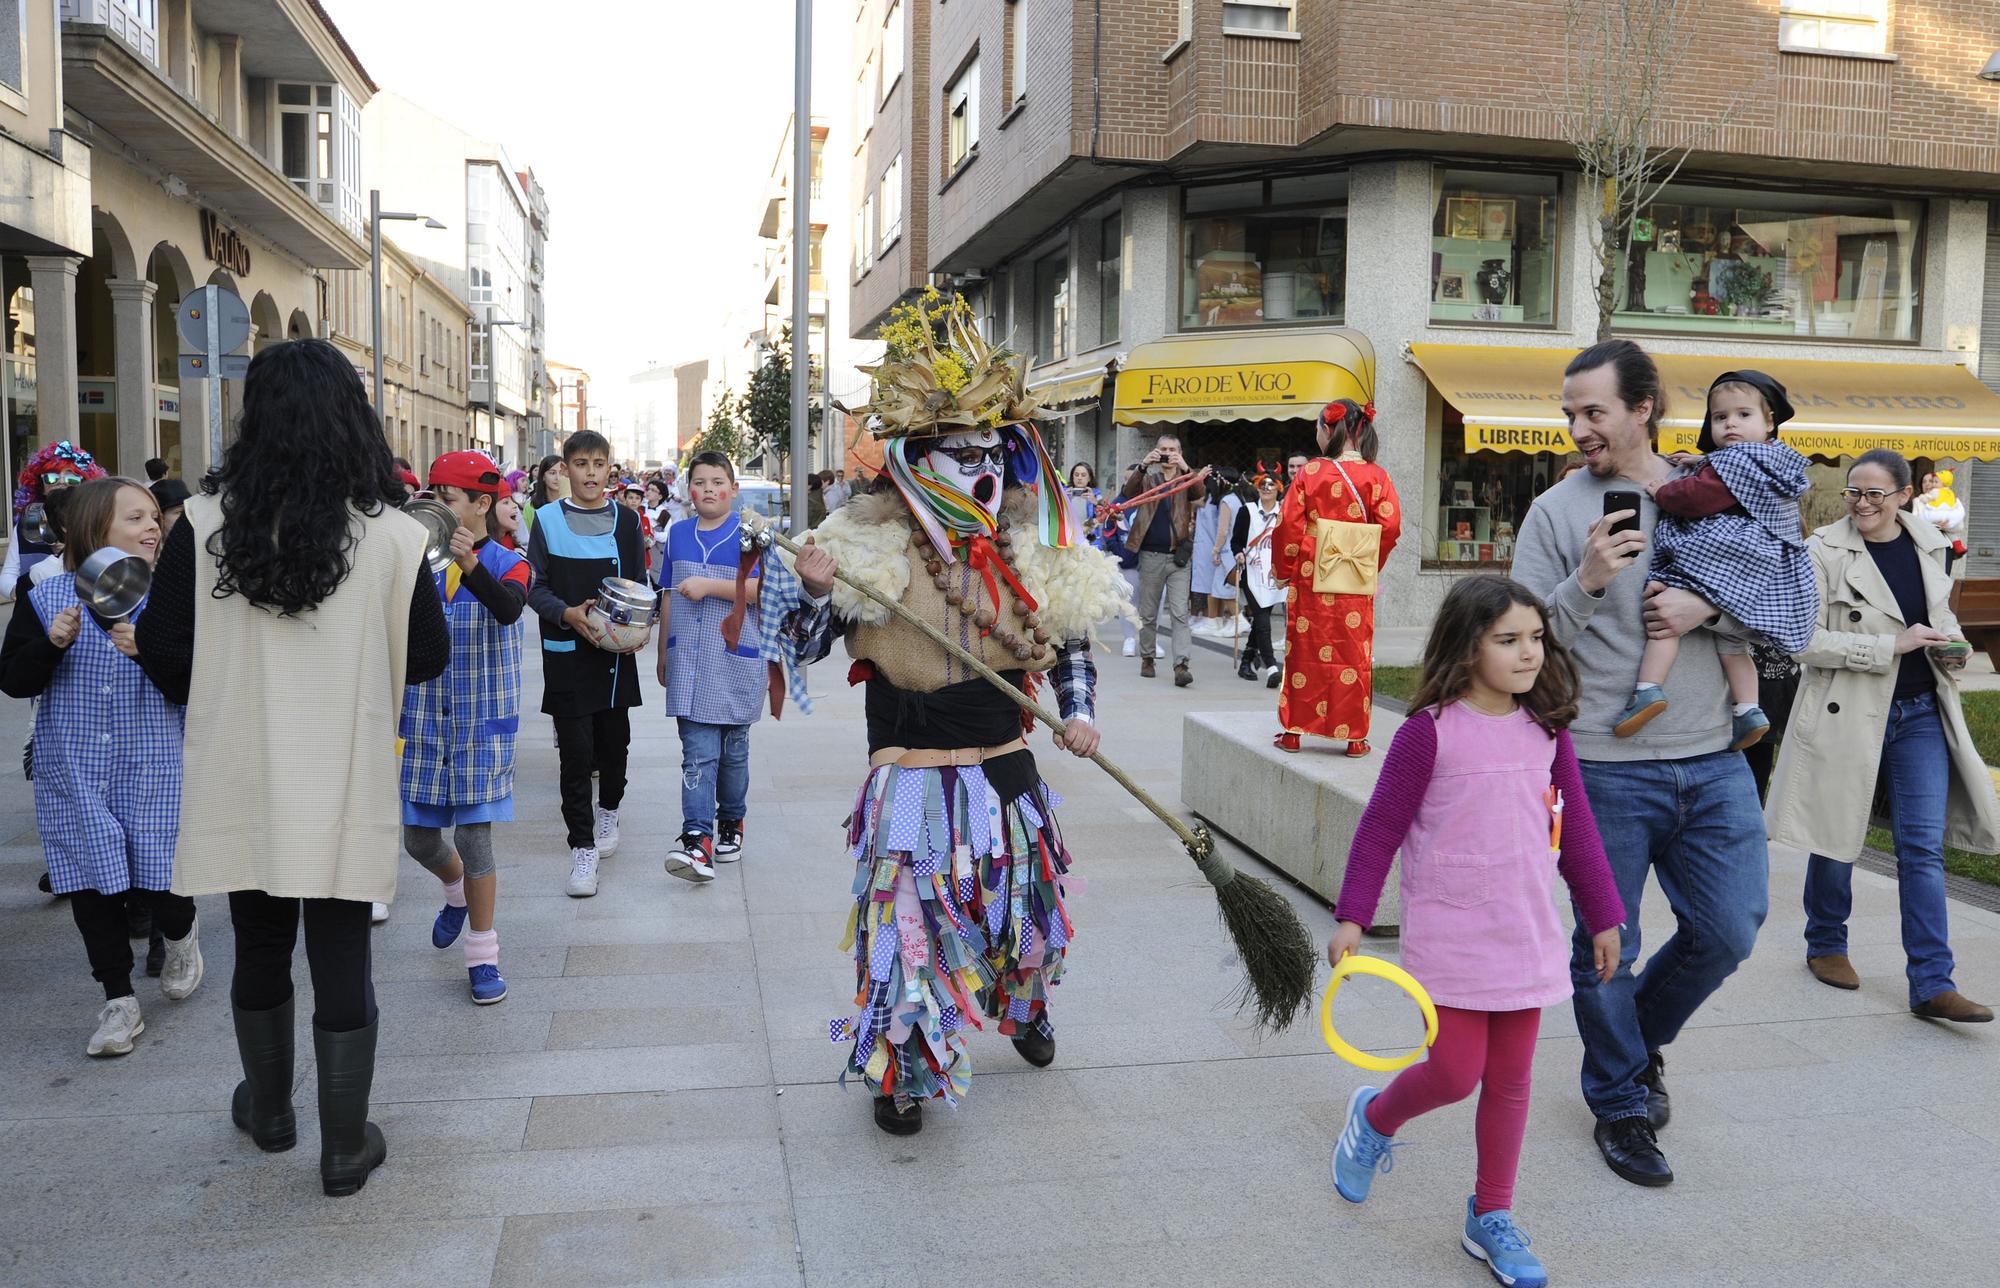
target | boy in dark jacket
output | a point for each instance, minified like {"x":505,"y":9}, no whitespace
{"x":575,"y":545}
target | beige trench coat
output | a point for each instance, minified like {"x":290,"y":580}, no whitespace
{"x":1824,"y":784}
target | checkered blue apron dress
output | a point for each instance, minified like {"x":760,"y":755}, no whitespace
{"x":707,"y":680}
{"x":107,"y":763}
{"x":458,"y":730}
{"x":1750,"y":563}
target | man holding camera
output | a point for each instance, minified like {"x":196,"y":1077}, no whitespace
{"x":1162,"y":533}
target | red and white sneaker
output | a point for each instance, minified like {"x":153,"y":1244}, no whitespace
{"x":728,"y":840}
{"x":692,"y":858}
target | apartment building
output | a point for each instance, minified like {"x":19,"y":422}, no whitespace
{"x":487,"y":253}
{"x":1213,"y":215}
{"x":223,"y":147}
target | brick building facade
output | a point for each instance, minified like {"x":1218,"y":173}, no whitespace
{"x":1128,"y":188}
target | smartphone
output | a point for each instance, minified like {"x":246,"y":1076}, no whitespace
{"x":1951,"y":656}
{"x":1621,"y":499}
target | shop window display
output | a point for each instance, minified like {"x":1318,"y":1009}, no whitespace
{"x":1493,"y":248}
{"x":1481,"y":499}
{"x":1266,"y":251}
{"x":1773,"y":264}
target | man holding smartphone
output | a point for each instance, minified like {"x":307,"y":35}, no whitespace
{"x":1162,"y":533}
{"x":1672,"y":797}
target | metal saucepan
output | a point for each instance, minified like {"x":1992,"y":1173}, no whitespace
{"x":440,"y":523}
{"x":35,"y":525}
{"x":113,"y":582}
{"x":624,"y":614}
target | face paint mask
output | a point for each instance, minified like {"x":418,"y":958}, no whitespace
{"x":974,"y":463}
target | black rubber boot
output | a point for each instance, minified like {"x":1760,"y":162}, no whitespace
{"x":262,"y":1105}
{"x":904,"y":1122}
{"x":1036,"y":1047}
{"x":350,"y":1146}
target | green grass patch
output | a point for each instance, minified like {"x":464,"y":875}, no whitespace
{"x":1979,"y":867}
{"x":1400,"y":683}
{"x":1982,"y":717}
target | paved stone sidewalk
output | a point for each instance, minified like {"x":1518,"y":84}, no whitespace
{"x":655,"y":1103}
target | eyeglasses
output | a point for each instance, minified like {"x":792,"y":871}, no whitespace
{"x":62,"y":479}
{"x":1872,"y":495}
{"x":974,"y":456}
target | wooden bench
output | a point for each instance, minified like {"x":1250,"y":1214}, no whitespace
{"x":1975,"y":601}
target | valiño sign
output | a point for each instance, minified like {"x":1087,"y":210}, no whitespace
{"x":223,"y":246}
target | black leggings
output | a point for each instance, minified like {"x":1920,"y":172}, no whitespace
{"x":598,"y":741}
{"x":267,"y":928}
{"x":106,"y":931}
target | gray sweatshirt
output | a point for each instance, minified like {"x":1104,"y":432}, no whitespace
{"x":1607,"y":632}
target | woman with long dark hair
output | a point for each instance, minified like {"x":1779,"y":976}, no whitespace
{"x":291,"y":606}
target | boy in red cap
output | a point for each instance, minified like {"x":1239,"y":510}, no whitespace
{"x":458,"y":730}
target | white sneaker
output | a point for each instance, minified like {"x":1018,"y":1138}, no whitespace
{"x":607,"y":832}
{"x":583,"y":873}
{"x":1131,"y":648}
{"x":117,"y":1024}
{"x":182,"y":973}
{"x":378,"y":913}
{"x":1159,"y":650}
{"x":1202,"y":626}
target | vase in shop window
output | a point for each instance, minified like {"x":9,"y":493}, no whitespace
{"x":1493,"y":281}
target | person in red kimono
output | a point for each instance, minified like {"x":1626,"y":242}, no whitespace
{"x":1328,"y":687}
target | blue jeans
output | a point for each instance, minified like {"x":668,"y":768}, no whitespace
{"x":1696,"y":825}
{"x":1917,"y":764}
{"x":715,"y":774}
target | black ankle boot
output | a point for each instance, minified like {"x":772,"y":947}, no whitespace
{"x":1246,"y":670}
{"x":1036,"y":1047}
{"x":898,"y":1122}
{"x":262,"y":1105}
{"x":350,"y":1146}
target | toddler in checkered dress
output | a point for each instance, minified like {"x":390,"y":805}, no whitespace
{"x":107,"y":760}
{"x":1730,"y":533}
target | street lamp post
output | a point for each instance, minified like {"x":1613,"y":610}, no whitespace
{"x":375,"y":217}
{"x":801,"y":252}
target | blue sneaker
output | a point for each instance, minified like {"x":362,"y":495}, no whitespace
{"x":1748,"y":729}
{"x":1647,"y":701}
{"x":487,"y":986}
{"x":1503,"y":1246}
{"x":446,"y":929}
{"x":1361,"y":1150}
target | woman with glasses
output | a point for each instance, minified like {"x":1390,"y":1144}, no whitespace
{"x":50,"y":470}
{"x":1879,"y":696}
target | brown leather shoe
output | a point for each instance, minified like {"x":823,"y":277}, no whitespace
{"x":1834,"y":969}
{"x":1954,"y":1006}
{"x":1146,"y":669}
{"x":1182,"y":676}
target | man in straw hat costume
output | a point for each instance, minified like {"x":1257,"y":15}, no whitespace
{"x":959,"y":885}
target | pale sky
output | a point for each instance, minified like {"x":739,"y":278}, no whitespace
{"x":652,"y":125}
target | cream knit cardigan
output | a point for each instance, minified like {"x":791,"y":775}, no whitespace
{"x":289,"y":779}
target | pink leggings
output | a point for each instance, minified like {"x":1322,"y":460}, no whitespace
{"x":1491,"y":1050}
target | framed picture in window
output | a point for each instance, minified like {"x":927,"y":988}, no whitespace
{"x":1451,"y":287}
{"x":1333,"y":236}
{"x":1462,"y":217}
{"x":1496,"y":218}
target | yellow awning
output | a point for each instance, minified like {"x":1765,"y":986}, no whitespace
{"x":1244,"y":376}
{"x":1511,"y":399}
{"x":1071,"y":387}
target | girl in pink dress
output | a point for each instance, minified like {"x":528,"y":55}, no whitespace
{"x":1482,"y":794}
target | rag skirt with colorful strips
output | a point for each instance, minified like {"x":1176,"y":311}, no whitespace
{"x":958,"y":913}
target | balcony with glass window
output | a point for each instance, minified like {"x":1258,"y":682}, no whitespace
{"x":119,"y":73}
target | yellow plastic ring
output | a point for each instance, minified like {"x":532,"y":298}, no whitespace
{"x":1356,"y":964}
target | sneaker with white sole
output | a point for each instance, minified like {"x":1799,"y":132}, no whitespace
{"x":692,"y":858}
{"x":181,"y":974}
{"x":1131,"y":650}
{"x":1159,"y":650}
{"x":377,"y":913}
{"x":728,"y":840}
{"x":1361,"y":1151}
{"x":117,"y":1024}
{"x":607,"y":832}
{"x":582,"y":873}
{"x":1493,"y":1237}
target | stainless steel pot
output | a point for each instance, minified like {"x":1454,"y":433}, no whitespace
{"x":35,"y":525}
{"x":113,"y":582}
{"x":439,"y":523}
{"x":624,"y":614}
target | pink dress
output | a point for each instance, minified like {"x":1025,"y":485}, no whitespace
{"x":1486,"y":810}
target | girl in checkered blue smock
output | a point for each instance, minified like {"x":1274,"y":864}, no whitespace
{"x":458,"y":730}
{"x":107,"y":760}
{"x":1730,"y":533}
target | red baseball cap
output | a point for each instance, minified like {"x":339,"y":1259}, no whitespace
{"x":468,"y":472}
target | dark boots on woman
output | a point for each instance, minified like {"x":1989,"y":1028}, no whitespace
{"x":262,"y":1105}
{"x":350,"y":1146}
